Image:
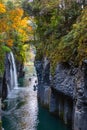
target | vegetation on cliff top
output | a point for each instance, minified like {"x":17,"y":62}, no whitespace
{"x":61,"y":32}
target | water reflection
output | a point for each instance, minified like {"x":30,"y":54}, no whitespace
{"x":22,"y":110}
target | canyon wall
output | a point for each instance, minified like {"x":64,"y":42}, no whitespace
{"x":43,"y":72}
{"x":65,"y":93}
{"x":0,"y":100}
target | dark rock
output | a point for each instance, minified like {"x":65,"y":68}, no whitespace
{"x":4,"y":88}
{"x":43,"y":72}
{"x":8,"y":80}
{"x":80,"y":115}
{"x":1,"y":86}
{"x":65,"y":93}
{"x":6,"y":77}
{"x":20,"y":69}
{"x":64,"y":80}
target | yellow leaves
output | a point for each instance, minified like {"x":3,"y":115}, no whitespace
{"x":10,"y":42}
{"x":22,"y":33}
{"x":20,"y":12}
{"x":84,"y":14}
{"x":3,"y":25}
{"x":17,"y":22}
{"x":2,"y":9}
{"x":16,"y":13}
{"x":15,"y":17}
{"x":24,"y":22}
{"x":74,"y":25}
{"x":30,"y":28}
{"x":13,"y":24}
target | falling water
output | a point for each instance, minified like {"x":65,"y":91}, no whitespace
{"x":23,"y":111}
{"x":13,"y":73}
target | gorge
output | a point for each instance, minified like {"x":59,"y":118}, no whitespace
{"x":64,"y":93}
{"x":43,"y":65}
{"x":22,"y":110}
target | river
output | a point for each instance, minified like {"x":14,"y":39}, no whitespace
{"x":23,"y":111}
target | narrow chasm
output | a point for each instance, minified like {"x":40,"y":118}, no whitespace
{"x":21,"y":110}
{"x":43,"y":64}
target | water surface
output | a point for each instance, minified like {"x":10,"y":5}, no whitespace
{"x":24,"y":113}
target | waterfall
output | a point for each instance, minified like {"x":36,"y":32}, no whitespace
{"x":13,"y":72}
{"x":10,"y":76}
{"x":13,"y":84}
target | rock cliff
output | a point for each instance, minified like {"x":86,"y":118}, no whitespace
{"x":0,"y":102}
{"x":65,"y":93}
{"x":43,"y":72}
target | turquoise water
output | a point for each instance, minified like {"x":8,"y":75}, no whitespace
{"x":49,"y":122}
{"x":24,"y":113}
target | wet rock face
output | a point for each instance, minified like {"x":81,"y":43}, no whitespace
{"x":20,"y":69}
{"x":46,"y":71}
{"x":6,"y":77}
{"x":80,"y":115}
{"x":0,"y":86}
{"x":53,"y":94}
{"x":0,"y":115}
{"x":39,"y":69}
{"x":62,"y":96}
{"x":64,"y":79}
{"x":66,"y":93}
{"x":43,"y":72}
{"x":4,"y":87}
{"x":62,"y":106}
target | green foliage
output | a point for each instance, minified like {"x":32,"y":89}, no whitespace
{"x":73,"y":46}
{"x":6,"y":49}
{"x":40,"y":51}
{"x":3,"y":49}
{"x":1,"y":61}
{"x":61,"y":30}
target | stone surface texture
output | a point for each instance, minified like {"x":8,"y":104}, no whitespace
{"x":65,"y":93}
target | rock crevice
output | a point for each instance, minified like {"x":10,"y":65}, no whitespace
{"x":65,"y":93}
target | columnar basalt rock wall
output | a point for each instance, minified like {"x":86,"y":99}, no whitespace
{"x":0,"y":102}
{"x":65,"y":94}
{"x":43,"y":72}
{"x":62,"y":106}
{"x":0,"y":87}
{"x":6,"y":77}
{"x":80,"y":114}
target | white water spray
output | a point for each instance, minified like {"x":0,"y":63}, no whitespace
{"x":13,"y":72}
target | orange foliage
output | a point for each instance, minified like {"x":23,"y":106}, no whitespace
{"x":3,"y":25}
{"x":10,"y":42}
{"x":13,"y":22}
{"x":2,"y":8}
{"x":30,"y":28}
{"x":18,"y":12}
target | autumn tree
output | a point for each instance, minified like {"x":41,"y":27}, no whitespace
{"x":15,"y":29}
